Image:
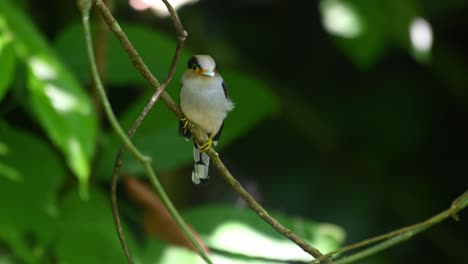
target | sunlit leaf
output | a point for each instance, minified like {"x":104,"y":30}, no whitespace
{"x":87,"y":226}
{"x":28,"y":191}
{"x":364,"y":29}
{"x":421,"y":37}
{"x":7,"y":59}
{"x":239,"y":232}
{"x":240,"y":229}
{"x":360,"y":33}
{"x":158,"y":7}
{"x":341,"y":19}
{"x":56,"y":98}
{"x":6,"y":258}
{"x":156,"y":253}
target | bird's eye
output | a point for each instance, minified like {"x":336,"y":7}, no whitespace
{"x":194,"y":67}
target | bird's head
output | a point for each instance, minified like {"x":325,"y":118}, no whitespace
{"x":202,"y":65}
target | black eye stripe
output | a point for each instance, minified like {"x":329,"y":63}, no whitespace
{"x":193,"y":61}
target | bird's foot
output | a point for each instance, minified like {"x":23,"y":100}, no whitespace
{"x":206,"y":147}
{"x":186,"y":123}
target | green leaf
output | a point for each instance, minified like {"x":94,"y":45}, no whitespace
{"x":7,"y":59}
{"x":155,"y":48}
{"x":56,"y":99}
{"x":239,"y":232}
{"x":254,"y":102}
{"x":158,"y":135}
{"x":364,"y":29}
{"x":6,"y":258}
{"x":157,"y":253}
{"x":357,"y":28}
{"x":86,"y":226}
{"x":30,"y":176}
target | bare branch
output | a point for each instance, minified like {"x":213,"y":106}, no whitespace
{"x":217,"y":162}
{"x":391,"y":238}
{"x":118,"y":160}
{"x":199,"y":137}
{"x":156,"y":214}
{"x":397,"y":236}
{"x":134,"y":56}
{"x":145,"y":161}
{"x":175,"y":20}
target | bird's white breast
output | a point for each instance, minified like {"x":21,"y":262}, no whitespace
{"x":203,"y":102}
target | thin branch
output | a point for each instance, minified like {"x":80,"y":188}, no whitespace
{"x":156,"y":214}
{"x":118,"y":161}
{"x":217,"y":162}
{"x":398,"y":236}
{"x":85,"y":6}
{"x":100,"y":51}
{"x":134,"y":56}
{"x":175,"y":20}
{"x":199,"y":137}
{"x":101,"y":42}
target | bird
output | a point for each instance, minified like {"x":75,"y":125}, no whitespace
{"x":204,"y":101}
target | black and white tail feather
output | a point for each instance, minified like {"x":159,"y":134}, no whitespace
{"x":201,"y":165}
{"x":201,"y":159}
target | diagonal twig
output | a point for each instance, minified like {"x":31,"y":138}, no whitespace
{"x":134,"y":56}
{"x":118,"y":161}
{"x":131,"y":132}
{"x":85,"y":6}
{"x":156,"y":215}
{"x":143,"y":69}
{"x":399,"y":235}
{"x":392,"y":238}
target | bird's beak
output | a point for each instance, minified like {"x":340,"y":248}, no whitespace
{"x":209,"y":73}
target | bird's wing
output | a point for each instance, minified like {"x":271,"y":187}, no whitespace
{"x":225,"y":89}
{"x":218,"y":135}
{"x":183,"y":131}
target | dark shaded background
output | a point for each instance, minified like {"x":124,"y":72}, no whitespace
{"x":369,"y":147}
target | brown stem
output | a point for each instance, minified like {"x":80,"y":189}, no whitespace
{"x":156,"y":215}
{"x":159,"y":90}
{"x":199,"y":137}
{"x":399,"y":235}
{"x":135,"y":57}
{"x":217,"y":162}
{"x":101,"y":41}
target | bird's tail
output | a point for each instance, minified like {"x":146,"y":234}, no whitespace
{"x":200,"y":168}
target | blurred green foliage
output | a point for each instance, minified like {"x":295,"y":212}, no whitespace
{"x":7,"y":57}
{"x":156,"y":136}
{"x":29,"y":198}
{"x":373,"y":28}
{"x":236,"y":236}
{"x":337,"y":119}
{"x":87,"y":226}
{"x":56,"y":98}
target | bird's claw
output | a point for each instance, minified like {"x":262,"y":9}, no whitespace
{"x":186,"y":123}
{"x":206,"y":147}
